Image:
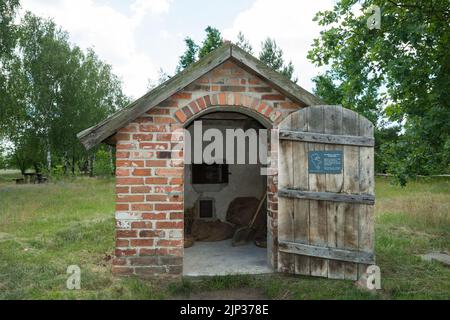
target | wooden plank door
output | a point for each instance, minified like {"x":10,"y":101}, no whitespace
{"x":326,"y":193}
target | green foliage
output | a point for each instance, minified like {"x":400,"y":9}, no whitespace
{"x":103,"y":165}
{"x":8,"y":10}
{"x":193,"y":52}
{"x":57,"y":172}
{"x":327,"y":90}
{"x":399,"y":73}
{"x":189,"y":56}
{"x":213,"y":41}
{"x":383,"y":137}
{"x":243,"y":43}
{"x":27,"y":152}
{"x":53,"y":90}
{"x":272,"y":55}
{"x":4,"y":161}
{"x":8,"y":39}
{"x":5,"y":158}
{"x":408,"y":156}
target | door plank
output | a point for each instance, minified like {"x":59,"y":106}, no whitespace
{"x":334,"y":183}
{"x":327,"y":196}
{"x":286,"y":262}
{"x":327,"y":252}
{"x":350,"y":126}
{"x":366,"y":185}
{"x":317,"y":209}
{"x":301,"y":180}
{"x":326,"y":138}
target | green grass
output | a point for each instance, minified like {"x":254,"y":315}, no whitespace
{"x":46,"y":228}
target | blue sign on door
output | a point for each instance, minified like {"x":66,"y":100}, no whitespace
{"x":325,"y":161}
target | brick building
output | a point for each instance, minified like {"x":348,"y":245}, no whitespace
{"x":153,"y":182}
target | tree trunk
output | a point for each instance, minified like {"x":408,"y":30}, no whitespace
{"x":21,"y":165}
{"x":91,"y":165}
{"x":73,"y":165}
{"x":111,"y":160}
{"x":66,"y":164}
{"x":49,"y":159}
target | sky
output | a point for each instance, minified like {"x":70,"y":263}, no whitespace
{"x":138,"y":37}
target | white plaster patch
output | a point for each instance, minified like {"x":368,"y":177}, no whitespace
{"x":128,"y":216}
{"x":140,"y":155}
{"x":176,"y":234}
{"x":123,"y":224}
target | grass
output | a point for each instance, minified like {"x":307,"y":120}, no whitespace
{"x":46,"y":228}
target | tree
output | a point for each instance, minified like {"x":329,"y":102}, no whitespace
{"x":193,"y":52}
{"x":8,"y":37}
{"x":189,"y":56}
{"x":162,"y":77}
{"x":243,"y":43}
{"x":272,"y":56}
{"x":46,"y":52}
{"x":328,"y":90}
{"x":90,"y":93}
{"x":398,"y":72}
{"x":53,"y":91}
{"x":212,"y":41}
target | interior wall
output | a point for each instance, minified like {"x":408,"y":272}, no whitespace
{"x":244,"y":180}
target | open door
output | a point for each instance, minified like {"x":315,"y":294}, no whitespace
{"x":326,"y":193}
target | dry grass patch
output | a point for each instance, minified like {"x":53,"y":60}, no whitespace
{"x":424,"y":209}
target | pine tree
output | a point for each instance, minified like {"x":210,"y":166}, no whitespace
{"x":189,"y":56}
{"x":243,"y":43}
{"x":213,"y":41}
{"x":272,"y":56}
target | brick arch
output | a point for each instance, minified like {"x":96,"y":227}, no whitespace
{"x":202,"y":104}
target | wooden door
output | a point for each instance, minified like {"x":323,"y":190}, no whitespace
{"x":326,"y":193}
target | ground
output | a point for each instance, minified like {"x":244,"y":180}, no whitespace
{"x":46,"y":228}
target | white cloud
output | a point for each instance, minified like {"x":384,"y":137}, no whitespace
{"x":111,"y":33}
{"x":155,"y":7}
{"x":290,"y":23}
{"x":136,"y":40}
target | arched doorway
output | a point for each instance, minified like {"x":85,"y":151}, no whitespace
{"x":222,"y":193}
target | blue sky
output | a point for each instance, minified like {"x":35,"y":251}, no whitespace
{"x":138,"y":37}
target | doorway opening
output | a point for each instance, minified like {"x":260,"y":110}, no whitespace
{"x":222,"y":197}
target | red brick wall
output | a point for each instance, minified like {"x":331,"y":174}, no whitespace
{"x":149,"y":208}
